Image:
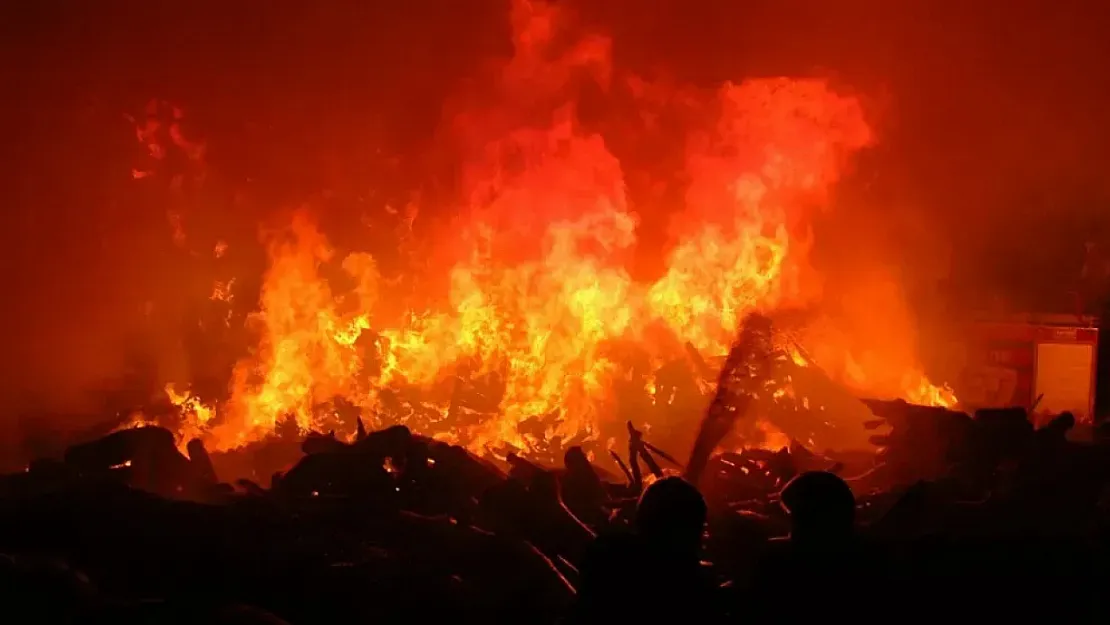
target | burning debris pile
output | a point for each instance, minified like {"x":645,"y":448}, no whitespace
{"x":515,"y":324}
{"x":394,"y":525}
{"x":796,"y":404}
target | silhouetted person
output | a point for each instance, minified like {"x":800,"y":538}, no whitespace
{"x":670,"y":517}
{"x":819,"y":570}
{"x":822,"y":510}
{"x":653,"y":574}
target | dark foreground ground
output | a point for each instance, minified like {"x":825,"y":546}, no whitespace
{"x":960,"y":518}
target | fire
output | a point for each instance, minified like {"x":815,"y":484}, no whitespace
{"x":777,"y":143}
{"x":772,"y":438}
{"x":197,"y":416}
{"x":221,"y":291}
{"x":523,"y":348}
{"x":917,"y":389}
{"x":306,"y":356}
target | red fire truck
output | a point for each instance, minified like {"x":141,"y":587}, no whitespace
{"x":1045,"y":363}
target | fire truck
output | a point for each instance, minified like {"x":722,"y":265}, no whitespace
{"x":1045,"y":363}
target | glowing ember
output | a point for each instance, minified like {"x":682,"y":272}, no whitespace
{"x":221,"y":291}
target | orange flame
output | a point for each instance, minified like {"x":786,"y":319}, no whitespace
{"x":540,"y":291}
{"x":197,"y":416}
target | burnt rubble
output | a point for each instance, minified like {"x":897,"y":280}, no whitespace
{"x":975,"y":515}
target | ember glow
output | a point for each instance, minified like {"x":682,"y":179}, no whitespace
{"x":530,"y":341}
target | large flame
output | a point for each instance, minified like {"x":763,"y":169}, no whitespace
{"x":523,"y":347}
